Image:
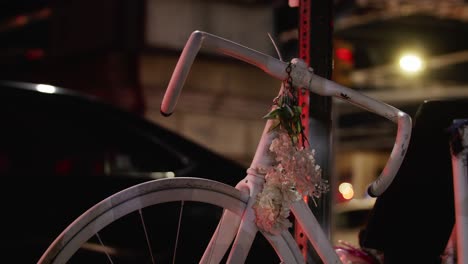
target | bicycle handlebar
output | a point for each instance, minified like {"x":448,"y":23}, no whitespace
{"x":302,"y":76}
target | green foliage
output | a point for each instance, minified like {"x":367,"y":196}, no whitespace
{"x":286,"y":114}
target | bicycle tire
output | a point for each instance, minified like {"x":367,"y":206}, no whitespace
{"x":150,"y":193}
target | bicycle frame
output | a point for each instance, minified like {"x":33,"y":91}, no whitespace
{"x":244,"y":229}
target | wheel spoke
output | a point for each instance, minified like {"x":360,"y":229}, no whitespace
{"x":148,"y":243}
{"x":104,"y":246}
{"x":178,"y":231}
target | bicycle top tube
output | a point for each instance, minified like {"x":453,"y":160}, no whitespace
{"x":302,"y":76}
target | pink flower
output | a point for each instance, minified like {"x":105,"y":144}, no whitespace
{"x":293,"y":176}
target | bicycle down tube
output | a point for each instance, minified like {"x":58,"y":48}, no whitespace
{"x":302,"y":76}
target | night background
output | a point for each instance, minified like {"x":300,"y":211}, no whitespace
{"x":123,"y":52}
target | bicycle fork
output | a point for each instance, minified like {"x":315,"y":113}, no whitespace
{"x":242,"y":229}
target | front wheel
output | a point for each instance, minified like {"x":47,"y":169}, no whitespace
{"x":160,"y":221}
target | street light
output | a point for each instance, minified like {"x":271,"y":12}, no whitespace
{"x":411,"y":63}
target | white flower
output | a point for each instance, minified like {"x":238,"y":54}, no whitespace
{"x":272,"y":208}
{"x":295,"y":175}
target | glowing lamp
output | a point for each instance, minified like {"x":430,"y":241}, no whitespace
{"x":411,"y":63}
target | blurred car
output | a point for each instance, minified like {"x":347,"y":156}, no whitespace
{"x":55,"y":131}
{"x":61,"y":152}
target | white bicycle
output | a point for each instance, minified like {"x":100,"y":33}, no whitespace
{"x":281,"y":174}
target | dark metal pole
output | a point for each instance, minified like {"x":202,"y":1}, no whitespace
{"x":320,"y":107}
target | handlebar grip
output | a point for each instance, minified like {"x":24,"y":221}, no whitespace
{"x":180,"y":73}
{"x":377,"y":187}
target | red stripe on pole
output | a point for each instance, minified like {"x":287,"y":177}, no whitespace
{"x":304,"y":54}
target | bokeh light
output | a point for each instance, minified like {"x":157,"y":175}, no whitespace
{"x":346,"y":190}
{"x":411,"y":63}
